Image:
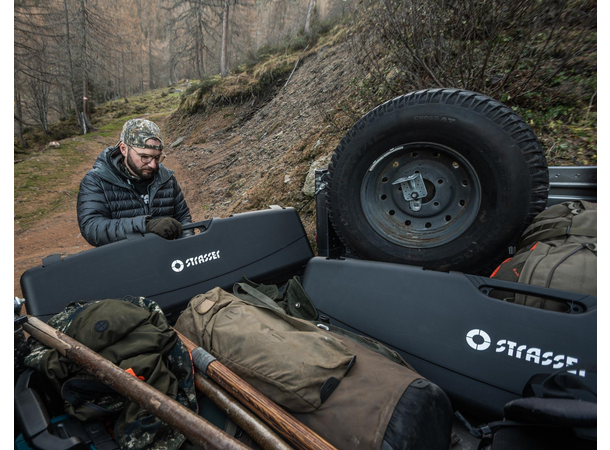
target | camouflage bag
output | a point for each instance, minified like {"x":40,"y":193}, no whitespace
{"x":558,"y":250}
{"x":133,"y":334}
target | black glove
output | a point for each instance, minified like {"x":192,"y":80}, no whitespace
{"x":166,"y":227}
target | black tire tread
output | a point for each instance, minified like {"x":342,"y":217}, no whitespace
{"x":492,"y":109}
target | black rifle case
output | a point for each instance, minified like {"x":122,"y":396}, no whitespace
{"x":268,"y":246}
{"x":481,"y":351}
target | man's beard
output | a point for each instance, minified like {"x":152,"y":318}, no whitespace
{"x":143,"y":173}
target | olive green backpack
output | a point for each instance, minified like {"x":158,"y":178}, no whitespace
{"x":559,"y":251}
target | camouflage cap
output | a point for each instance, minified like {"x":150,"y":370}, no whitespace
{"x":137,"y":131}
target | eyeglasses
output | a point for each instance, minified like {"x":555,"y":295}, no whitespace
{"x":148,"y":158}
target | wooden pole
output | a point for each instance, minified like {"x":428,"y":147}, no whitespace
{"x":246,"y":420}
{"x":195,"y":428}
{"x":294,"y":431}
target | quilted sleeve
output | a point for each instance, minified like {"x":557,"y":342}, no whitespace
{"x":94,"y":217}
{"x":181,"y":210}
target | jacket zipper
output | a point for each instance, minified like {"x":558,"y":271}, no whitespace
{"x":139,"y":197}
{"x":147,"y":208}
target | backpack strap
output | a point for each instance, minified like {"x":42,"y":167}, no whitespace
{"x":556,"y":385}
{"x":490,"y":428}
{"x":555,"y":408}
{"x":541,"y":235}
{"x":563,"y":412}
{"x":258,"y":295}
{"x":291,"y":300}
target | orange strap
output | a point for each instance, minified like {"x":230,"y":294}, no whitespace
{"x":131,"y":372}
{"x":498,"y":268}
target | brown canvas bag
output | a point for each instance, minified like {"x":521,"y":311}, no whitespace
{"x":287,"y":359}
{"x":358,"y":412}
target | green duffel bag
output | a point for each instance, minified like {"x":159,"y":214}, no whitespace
{"x":559,"y":251}
{"x":290,"y":360}
{"x":381,"y":404}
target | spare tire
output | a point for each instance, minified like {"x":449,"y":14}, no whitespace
{"x":445,"y":179}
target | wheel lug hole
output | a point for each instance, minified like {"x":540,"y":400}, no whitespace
{"x":384,"y":180}
{"x":464,"y":182}
{"x":383,"y":197}
{"x":447,"y":218}
{"x":392,"y":212}
{"x":437,"y":204}
{"x":436,"y":154}
{"x":462,"y":202}
{"x":441,"y":181}
{"x":428,"y":225}
{"x":414,"y":154}
{"x":417,"y":171}
{"x":408,"y":223}
{"x":455,"y":165}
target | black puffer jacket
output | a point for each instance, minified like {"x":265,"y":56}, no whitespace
{"x":109,"y":208}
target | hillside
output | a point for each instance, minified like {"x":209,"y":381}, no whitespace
{"x":236,"y":159}
{"x":237,"y":144}
{"x":242,"y":158}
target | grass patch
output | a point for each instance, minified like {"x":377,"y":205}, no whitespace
{"x":40,"y":183}
{"x":202,"y":87}
{"x":112,"y":128}
{"x":262,"y":74}
{"x":108,"y":118}
{"x":238,"y":89}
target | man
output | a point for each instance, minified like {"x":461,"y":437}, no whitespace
{"x":129,"y":190}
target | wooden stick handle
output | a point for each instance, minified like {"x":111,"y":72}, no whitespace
{"x":246,"y":420}
{"x":194,"y":427}
{"x":294,"y":431}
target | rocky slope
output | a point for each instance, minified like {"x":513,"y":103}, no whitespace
{"x":242,"y":158}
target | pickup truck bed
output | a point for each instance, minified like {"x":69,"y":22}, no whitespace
{"x":438,"y":321}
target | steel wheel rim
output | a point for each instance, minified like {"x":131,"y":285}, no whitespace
{"x":451,"y":206}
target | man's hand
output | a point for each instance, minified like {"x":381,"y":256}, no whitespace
{"x":166,"y":227}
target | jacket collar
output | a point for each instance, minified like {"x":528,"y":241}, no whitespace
{"x":106,"y":167}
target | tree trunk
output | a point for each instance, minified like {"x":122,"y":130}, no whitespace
{"x":308,"y":18}
{"x":86,"y":113}
{"x":19,"y":116}
{"x":197,"y":58}
{"x":141,"y":69}
{"x":151,"y":81}
{"x":170,"y":35}
{"x":199,"y":46}
{"x":61,"y":99}
{"x":70,"y":65}
{"x":141,"y":43}
{"x":123,"y":82}
{"x":224,"y":71}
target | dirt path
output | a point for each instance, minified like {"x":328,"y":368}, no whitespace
{"x":59,"y":232}
{"x":231,"y":161}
